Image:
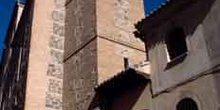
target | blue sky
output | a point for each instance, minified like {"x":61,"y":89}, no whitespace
{"x":6,"y":9}
{"x":151,"y":5}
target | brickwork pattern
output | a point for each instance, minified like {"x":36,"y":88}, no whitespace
{"x":80,"y":78}
{"x":115,"y":36}
{"x":80,"y":59}
{"x":118,"y":24}
{"x":122,"y":19}
{"x":80,"y":25}
{"x":55,"y":66}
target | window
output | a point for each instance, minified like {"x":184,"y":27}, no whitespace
{"x":187,"y":104}
{"x":176,"y":44}
{"x":126,"y":63}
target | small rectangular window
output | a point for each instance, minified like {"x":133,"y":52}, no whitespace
{"x":176,"y":43}
{"x":176,"y":47}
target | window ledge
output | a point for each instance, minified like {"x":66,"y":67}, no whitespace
{"x":176,"y":61}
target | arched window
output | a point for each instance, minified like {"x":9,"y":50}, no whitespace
{"x":176,"y":43}
{"x":187,"y":104}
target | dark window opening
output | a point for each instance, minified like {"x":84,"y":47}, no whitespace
{"x":187,"y":104}
{"x":126,"y":63}
{"x":176,"y":43}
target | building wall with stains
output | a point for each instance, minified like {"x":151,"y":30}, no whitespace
{"x":203,"y":91}
{"x":195,"y":76}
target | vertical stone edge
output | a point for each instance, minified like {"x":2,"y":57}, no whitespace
{"x":55,"y":66}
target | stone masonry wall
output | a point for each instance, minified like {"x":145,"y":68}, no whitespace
{"x":97,"y":34}
{"x":80,"y":25}
{"x":111,"y":58}
{"x":45,"y":67}
{"x":55,"y":66}
{"x":80,"y":59}
{"x":116,"y":18}
{"x":80,"y":78}
{"x":115,"y":26}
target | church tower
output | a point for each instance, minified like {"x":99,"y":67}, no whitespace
{"x":45,"y":63}
{"x":98,"y":39}
{"x":63,"y":49}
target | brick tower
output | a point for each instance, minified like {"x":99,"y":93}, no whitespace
{"x":98,"y":38}
{"x":62,"y":49}
{"x":45,"y":65}
{"x":32,"y":65}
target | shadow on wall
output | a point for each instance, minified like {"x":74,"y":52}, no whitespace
{"x":120,"y":93}
{"x":127,"y":100}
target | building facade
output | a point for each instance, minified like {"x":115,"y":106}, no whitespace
{"x":182,"y":41}
{"x":63,"y":49}
{"x":68,"y":54}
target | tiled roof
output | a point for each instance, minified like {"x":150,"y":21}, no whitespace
{"x":161,"y":13}
{"x":158,"y":7}
{"x":169,"y":6}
